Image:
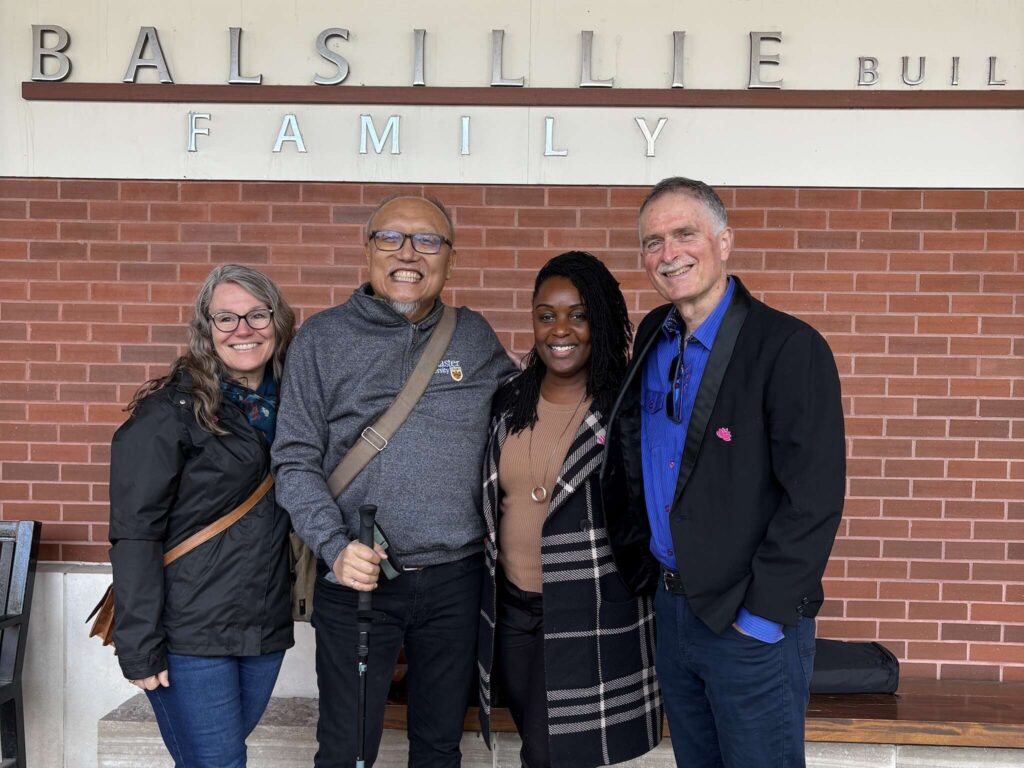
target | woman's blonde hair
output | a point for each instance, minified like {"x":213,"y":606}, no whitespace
{"x":201,"y":361}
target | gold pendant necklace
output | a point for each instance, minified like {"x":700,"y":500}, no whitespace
{"x":540,"y":492}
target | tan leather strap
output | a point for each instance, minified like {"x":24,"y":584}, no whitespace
{"x":375,"y":439}
{"x":220,"y":525}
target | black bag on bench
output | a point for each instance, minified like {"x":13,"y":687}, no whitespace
{"x":842,"y":667}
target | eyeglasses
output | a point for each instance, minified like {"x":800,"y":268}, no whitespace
{"x":257,"y":319}
{"x":678,"y":377}
{"x":422,"y":242}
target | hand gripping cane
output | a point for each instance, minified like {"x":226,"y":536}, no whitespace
{"x":364,"y":618}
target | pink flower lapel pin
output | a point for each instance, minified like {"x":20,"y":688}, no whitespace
{"x":724,"y":434}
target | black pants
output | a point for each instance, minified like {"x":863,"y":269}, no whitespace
{"x":434,"y":614}
{"x":520,"y":661}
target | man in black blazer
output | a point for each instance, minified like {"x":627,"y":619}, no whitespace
{"x":728,"y":435}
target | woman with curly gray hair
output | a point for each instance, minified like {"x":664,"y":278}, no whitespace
{"x":205,"y":636}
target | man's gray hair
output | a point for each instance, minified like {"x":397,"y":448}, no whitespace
{"x":698,"y":190}
{"x":428,"y":198}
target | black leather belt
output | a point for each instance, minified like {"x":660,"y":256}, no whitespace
{"x":672,"y":581}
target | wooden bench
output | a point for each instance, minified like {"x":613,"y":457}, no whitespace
{"x":923,"y":712}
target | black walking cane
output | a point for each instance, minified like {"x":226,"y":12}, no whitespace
{"x":364,"y":618}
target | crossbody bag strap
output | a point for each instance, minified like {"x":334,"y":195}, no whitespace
{"x":375,"y":439}
{"x":221,"y":524}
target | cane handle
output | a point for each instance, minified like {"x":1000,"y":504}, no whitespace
{"x":367,"y":513}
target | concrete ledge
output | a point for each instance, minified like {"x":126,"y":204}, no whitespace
{"x":286,"y":738}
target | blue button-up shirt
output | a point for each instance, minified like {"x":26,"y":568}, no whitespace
{"x":663,"y":440}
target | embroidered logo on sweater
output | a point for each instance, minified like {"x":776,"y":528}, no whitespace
{"x":450,"y":367}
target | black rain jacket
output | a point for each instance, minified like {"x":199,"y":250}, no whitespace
{"x":168,"y":479}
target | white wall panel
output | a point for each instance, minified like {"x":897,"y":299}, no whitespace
{"x":930,"y":148}
{"x":633,"y":44}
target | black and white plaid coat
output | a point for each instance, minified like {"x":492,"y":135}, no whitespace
{"x":604,"y":704}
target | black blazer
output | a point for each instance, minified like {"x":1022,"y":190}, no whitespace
{"x":763,"y":473}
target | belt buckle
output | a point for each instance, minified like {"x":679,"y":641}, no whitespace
{"x":668,"y":578}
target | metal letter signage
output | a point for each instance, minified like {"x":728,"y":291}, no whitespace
{"x":651,"y":137}
{"x":586,"y":63}
{"x":235,"y":77}
{"x":147,"y":37}
{"x":464,"y":142}
{"x":289,"y":132}
{"x":194,"y":131}
{"x":549,"y":140}
{"x":50,"y":63}
{"x":40,"y":52}
{"x":335,"y":58}
{"x":419,"y":37}
{"x":757,"y":59}
{"x":905,"y":71}
{"x":677,"y":59}
{"x":367,"y":130}
{"x":497,"y":57}
{"x":867,"y":70}
{"x":992,"y":79}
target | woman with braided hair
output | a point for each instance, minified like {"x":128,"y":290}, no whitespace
{"x":562,"y":639}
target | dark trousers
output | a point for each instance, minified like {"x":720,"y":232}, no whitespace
{"x":731,"y":700}
{"x":433,"y":613}
{"x":519,"y":657}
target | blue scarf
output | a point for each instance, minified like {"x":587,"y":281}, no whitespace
{"x":259,"y":407}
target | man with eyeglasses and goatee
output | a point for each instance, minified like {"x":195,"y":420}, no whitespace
{"x":728,"y":434}
{"x":344,"y":369}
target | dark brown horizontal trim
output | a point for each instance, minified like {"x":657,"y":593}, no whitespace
{"x":523,"y":97}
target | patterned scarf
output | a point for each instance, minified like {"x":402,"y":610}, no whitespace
{"x":259,"y":407}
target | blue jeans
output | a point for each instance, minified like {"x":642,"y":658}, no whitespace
{"x":212,"y":704}
{"x":433,"y":613}
{"x":731,"y":700}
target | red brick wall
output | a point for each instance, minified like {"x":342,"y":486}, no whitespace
{"x":919,"y":293}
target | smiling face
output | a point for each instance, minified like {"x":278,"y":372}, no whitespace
{"x":561,"y":331}
{"x":684,"y":252}
{"x":410,"y":281}
{"x":243,"y":351}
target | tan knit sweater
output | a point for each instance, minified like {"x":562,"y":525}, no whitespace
{"x":519,"y":472}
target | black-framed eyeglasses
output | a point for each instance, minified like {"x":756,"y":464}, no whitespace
{"x":257,"y":319}
{"x":678,"y":375}
{"x":427,"y":243}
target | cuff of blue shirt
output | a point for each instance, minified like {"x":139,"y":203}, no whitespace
{"x":765,"y":630}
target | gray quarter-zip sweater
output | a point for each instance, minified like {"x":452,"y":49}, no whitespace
{"x":344,"y":368}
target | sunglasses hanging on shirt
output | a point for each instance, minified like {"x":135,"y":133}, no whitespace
{"x":678,"y":377}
